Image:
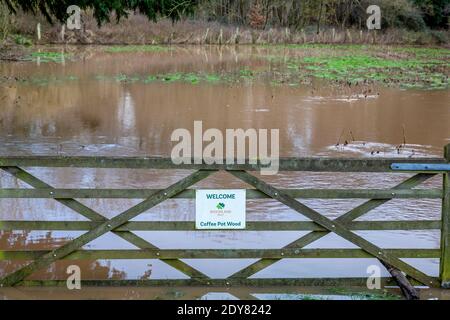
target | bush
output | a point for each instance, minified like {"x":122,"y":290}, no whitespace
{"x":441,"y":37}
{"x":401,"y":14}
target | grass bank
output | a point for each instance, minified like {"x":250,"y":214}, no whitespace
{"x":137,"y":29}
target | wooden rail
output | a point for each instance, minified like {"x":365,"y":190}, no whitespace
{"x":318,"y":227}
{"x":285,"y":164}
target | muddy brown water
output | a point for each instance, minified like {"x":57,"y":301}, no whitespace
{"x":87,"y":115}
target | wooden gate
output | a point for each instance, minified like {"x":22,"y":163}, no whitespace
{"x":318,"y":227}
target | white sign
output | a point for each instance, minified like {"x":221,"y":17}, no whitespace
{"x":220,"y":209}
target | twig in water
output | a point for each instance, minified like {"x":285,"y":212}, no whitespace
{"x":351,"y":135}
{"x":339,"y":140}
{"x":404,"y":135}
{"x":403,"y":145}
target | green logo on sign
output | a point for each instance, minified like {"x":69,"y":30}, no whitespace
{"x":220,"y":205}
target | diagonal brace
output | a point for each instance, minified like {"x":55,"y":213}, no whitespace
{"x":347,"y":217}
{"x":107,"y":226}
{"x":335,"y":226}
{"x":94,"y":216}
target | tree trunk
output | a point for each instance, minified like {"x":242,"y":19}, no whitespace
{"x":407,"y":289}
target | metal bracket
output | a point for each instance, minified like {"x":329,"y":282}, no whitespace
{"x":434,"y":167}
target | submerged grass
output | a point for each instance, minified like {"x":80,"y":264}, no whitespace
{"x":57,"y":57}
{"x":41,"y":81}
{"x":293,"y":65}
{"x":186,"y":77}
{"x":405,"y":67}
{"x":351,"y":293}
{"x":423,"y":68}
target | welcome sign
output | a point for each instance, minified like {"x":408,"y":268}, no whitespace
{"x":220,"y":209}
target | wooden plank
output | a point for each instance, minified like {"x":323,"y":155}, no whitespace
{"x":336,"y":227}
{"x":261,"y":264}
{"x":254,"y":282}
{"x":285,"y":164}
{"x":39,"y":184}
{"x":444,"y":273}
{"x":345,"y":218}
{"x":94,"y":216}
{"x":297,"y":253}
{"x":51,"y":193}
{"x":103,"y":228}
{"x":364,"y":208}
{"x":190,"y":225}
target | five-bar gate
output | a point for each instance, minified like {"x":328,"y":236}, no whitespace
{"x":318,"y":227}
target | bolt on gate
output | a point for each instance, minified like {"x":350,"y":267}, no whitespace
{"x":318,"y":227}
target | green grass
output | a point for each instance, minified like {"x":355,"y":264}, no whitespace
{"x":366,"y":295}
{"x":424,"y":52}
{"x":193,"y":78}
{"x":57,"y":57}
{"x":420,"y":68}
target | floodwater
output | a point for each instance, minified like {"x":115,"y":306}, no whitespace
{"x":81,"y":107}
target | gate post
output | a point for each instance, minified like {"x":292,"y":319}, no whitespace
{"x":444,"y":273}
